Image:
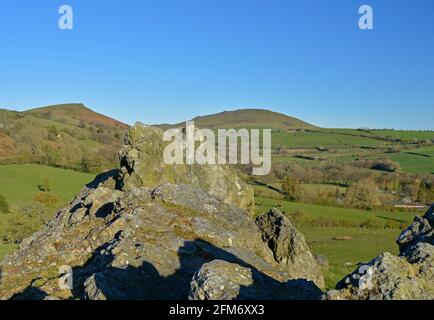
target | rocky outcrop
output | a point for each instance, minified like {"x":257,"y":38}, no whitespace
{"x":420,"y":231}
{"x":289,"y":246}
{"x":409,"y":276}
{"x":142,"y":165}
{"x":127,"y":237}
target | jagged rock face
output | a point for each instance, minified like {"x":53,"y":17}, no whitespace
{"x":409,"y":276}
{"x":144,"y":243}
{"x":142,"y":165}
{"x":421,"y":230}
{"x":289,"y":246}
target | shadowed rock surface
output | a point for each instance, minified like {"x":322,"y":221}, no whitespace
{"x":221,"y":280}
{"x":407,"y":276}
{"x":130,"y":234}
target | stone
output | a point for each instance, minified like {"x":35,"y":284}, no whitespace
{"x":221,"y":280}
{"x":289,"y":247}
{"x":142,"y":164}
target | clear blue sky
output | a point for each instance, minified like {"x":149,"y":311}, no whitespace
{"x":167,"y":61}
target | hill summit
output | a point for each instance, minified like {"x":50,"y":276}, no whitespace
{"x":75,"y":114}
{"x":247,"y":118}
{"x":69,"y":136}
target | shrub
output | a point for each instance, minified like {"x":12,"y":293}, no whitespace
{"x":390,"y":224}
{"x":371,"y":224}
{"x":53,"y":133}
{"x":291,"y":188}
{"x":45,"y":185}
{"x":298,"y":217}
{"x":47,"y":199}
{"x":363,"y":195}
{"x":17,"y":229}
{"x":4,"y":206}
{"x":386,"y":165}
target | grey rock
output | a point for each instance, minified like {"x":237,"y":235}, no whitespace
{"x":142,"y":164}
{"x":221,"y":280}
{"x":289,"y":247}
{"x":421,"y":230}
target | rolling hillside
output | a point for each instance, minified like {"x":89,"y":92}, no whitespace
{"x":68,"y":136}
{"x":75,"y":114}
{"x":247,"y":118}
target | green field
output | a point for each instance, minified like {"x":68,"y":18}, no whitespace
{"x":315,"y":211}
{"x":387,"y":133}
{"x":302,"y":139}
{"x":413,"y":163}
{"x":343,"y":255}
{"x":20,"y":182}
{"x":405,"y":134}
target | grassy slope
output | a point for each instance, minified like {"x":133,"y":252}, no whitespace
{"x":343,"y":255}
{"x":315,"y":211}
{"x":414,"y":163}
{"x":324,"y":139}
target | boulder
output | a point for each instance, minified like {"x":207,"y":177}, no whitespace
{"x":221,"y":280}
{"x":142,"y":164}
{"x":289,"y":247}
{"x":421,"y":230}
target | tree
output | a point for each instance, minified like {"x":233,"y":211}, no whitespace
{"x":4,"y":206}
{"x":53,"y":133}
{"x":291,"y":188}
{"x":91,"y":164}
{"x":425,"y":193}
{"x":363,"y":195}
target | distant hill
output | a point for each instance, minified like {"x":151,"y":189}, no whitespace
{"x":69,"y":136}
{"x":75,"y":114}
{"x":247,"y":118}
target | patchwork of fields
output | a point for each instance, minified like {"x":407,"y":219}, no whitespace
{"x":345,"y":145}
{"x":20,"y":183}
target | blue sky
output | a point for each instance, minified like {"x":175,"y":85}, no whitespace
{"x":169,"y":60}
